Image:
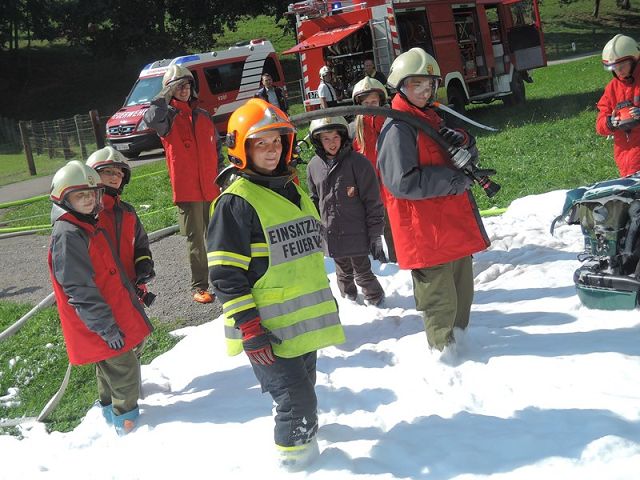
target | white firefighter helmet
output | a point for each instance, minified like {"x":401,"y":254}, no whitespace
{"x":413,"y":63}
{"x":177,"y":73}
{"x":110,"y":157}
{"x":327,"y":124}
{"x":324,"y":71}
{"x":366,"y":86}
{"x":74,"y":176}
{"x":619,"y":49}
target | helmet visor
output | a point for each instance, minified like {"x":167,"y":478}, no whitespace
{"x":617,"y":65}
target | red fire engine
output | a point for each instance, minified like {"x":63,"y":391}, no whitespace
{"x":485,"y":48}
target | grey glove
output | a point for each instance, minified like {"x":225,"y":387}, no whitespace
{"x":613,"y":122}
{"x":377,"y":251}
{"x":167,"y":92}
{"x":451,"y":136}
{"x":461,"y":182}
{"x":113,"y":337}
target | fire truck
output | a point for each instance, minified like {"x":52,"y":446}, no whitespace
{"x":485,"y":48}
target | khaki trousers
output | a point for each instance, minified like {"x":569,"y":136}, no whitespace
{"x":193,"y":219}
{"x":119,"y":381}
{"x":444,"y":295}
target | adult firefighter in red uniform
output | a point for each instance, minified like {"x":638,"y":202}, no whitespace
{"x":193,"y":153}
{"x":620,"y":104}
{"x":434,"y":218}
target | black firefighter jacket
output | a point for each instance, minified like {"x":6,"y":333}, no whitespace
{"x":347,"y":195}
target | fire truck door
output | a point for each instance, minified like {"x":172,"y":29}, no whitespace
{"x":525,"y":36}
{"x":413,"y":29}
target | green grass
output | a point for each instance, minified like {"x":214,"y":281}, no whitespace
{"x":14,"y":166}
{"x":549,"y":143}
{"x":573,"y":23}
{"x":34,"y":361}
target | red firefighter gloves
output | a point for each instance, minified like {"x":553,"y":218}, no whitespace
{"x":256,"y":341}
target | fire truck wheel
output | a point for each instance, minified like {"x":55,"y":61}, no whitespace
{"x":518,"y":93}
{"x":456,"y":98}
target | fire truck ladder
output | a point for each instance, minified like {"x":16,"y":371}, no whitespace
{"x":381,"y":45}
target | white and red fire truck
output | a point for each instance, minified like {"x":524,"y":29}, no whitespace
{"x":485,"y":48}
{"x":226,"y":79}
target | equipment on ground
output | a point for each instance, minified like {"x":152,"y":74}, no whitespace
{"x":609,"y":214}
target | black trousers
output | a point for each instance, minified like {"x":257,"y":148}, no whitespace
{"x":349,"y":269}
{"x":291,"y":382}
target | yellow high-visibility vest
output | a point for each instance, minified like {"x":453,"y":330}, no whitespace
{"x":293,"y":297}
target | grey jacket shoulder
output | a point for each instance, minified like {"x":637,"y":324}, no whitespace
{"x":401,"y":171}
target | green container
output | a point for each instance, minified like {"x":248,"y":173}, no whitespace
{"x":606,"y":298}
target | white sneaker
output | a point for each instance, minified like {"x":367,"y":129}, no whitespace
{"x":294,"y":459}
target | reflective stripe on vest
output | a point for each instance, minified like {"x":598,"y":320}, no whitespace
{"x":293,"y":296}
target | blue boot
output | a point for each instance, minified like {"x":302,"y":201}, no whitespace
{"x":126,"y":422}
{"x":107,"y":413}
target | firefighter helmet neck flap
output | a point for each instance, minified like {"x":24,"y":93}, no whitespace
{"x":252,"y":120}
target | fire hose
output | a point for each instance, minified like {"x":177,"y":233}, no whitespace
{"x":459,"y":156}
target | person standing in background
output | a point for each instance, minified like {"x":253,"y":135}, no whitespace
{"x":271,"y":93}
{"x":194,"y":157}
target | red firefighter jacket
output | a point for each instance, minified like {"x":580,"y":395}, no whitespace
{"x":190,"y":143}
{"x":371,"y":129}
{"x":433,"y":215}
{"x":626,"y":144}
{"x":126,"y":233}
{"x":92,"y":291}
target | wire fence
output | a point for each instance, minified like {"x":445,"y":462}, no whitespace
{"x":29,"y":148}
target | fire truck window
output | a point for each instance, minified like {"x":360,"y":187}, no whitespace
{"x":522,"y":13}
{"x":414,"y":31}
{"x":271,"y":69}
{"x":224,"y":78}
{"x":144,"y":90}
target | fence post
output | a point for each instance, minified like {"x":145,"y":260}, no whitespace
{"x":97,"y":131}
{"x":83,"y":149}
{"x":67,"y":153}
{"x":27,"y":147}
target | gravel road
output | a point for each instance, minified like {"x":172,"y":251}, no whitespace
{"x":24,"y":278}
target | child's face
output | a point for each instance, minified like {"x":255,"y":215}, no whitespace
{"x":331,"y":142}
{"x":622,"y":69}
{"x":418,"y":90}
{"x":183,"y":91}
{"x":112,"y":176}
{"x":82,"y":201}
{"x":371,"y":100}
{"x":265,"y":152}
